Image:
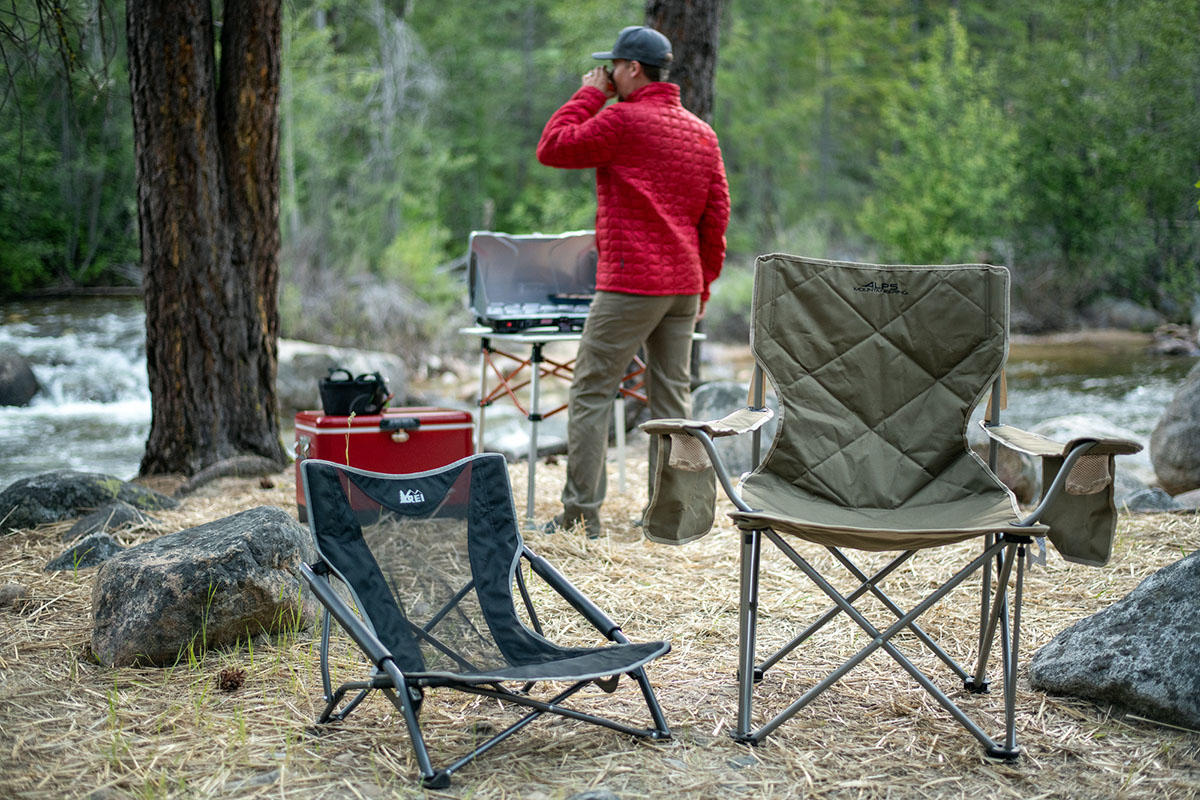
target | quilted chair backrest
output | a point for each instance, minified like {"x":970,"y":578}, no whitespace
{"x":877,"y":369}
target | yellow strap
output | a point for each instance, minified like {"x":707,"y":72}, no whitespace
{"x":1003,"y":396}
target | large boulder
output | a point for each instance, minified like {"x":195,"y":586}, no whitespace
{"x":200,"y":588}
{"x":18,"y":384}
{"x":714,"y":400}
{"x":1175,"y":442}
{"x":1080,"y":426}
{"x":1138,"y":655}
{"x":63,"y":494}
{"x":303,"y":364}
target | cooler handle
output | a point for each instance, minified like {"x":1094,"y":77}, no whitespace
{"x":399,"y":423}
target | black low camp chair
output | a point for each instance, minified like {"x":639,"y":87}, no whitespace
{"x":877,"y":370}
{"x":430,"y":561}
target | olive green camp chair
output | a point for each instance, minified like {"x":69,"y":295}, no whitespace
{"x":877,"y":370}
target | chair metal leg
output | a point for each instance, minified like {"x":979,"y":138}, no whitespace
{"x":660,"y":721}
{"x":433,"y":779}
{"x":747,"y":620}
{"x":999,"y":609}
{"x":883,"y":640}
{"x":1011,"y":750}
{"x":978,"y":683}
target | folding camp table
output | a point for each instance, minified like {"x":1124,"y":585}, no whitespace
{"x":539,"y":365}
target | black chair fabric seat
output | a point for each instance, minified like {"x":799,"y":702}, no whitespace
{"x":581,"y":665}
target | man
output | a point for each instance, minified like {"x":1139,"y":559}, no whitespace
{"x":662,"y":208}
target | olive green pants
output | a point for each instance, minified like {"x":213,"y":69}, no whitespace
{"x":617,"y":325}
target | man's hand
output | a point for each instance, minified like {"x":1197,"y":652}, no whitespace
{"x":598,"y":79}
{"x":700,"y":313}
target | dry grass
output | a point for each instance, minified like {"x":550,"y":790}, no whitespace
{"x":69,"y":728}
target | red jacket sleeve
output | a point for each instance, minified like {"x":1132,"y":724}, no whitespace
{"x":577,"y":135}
{"x":713,"y":223}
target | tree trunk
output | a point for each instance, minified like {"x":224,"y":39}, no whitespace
{"x":208,"y":212}
{"x":693,"y":26}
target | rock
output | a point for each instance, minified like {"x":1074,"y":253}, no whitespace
{"x":1133,"y":472}
{"x":1123,"y":314}
{"x":1151,"y":501}
{"x":111,"y":517}
{"x":303,"y":364}
{"x":205,"y":587}
{"x":1072,"y":426}
{"x":62,"y":494}
{"x":1175,"y":442}
{"x":10,"y":593}
{"x":18,"y":384}
{"x":252,"y":782}
{"x":506,"y":430}
{"x":1174,"y":340}
{"x":1138,"y":655}
{"x":1020,"y":472}
{"x":595,"y":794}
{"x":93,"y":549}
{"x":1189,"y":499}
{"x":1125,"y":485}
{"x":717,"y":399}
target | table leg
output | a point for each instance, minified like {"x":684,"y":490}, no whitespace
{"x":483,"y":365}
{"x":619,"y":425}
{"x":534,"y":418}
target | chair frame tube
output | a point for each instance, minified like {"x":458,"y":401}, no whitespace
{"x":1007,"y":545}
{"x":405,"y":695}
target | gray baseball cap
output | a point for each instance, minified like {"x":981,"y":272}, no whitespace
{"x":641,"y":44}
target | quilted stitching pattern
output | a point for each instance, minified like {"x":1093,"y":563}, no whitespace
{"x":662,"y":196}
{"x":929,"y":339}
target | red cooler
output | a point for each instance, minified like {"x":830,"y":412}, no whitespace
{"x":399,"y":440}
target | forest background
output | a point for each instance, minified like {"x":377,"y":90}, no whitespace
{"x":1058,"y":137}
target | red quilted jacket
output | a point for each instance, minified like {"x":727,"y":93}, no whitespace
{"x":662,"y":198}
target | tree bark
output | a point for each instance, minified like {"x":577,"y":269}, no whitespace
{"x":693,"y":26}
{"x":208,"y":212}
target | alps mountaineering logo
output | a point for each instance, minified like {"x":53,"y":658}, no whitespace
{"x":411,"y":496}
{"x":874,"y":287}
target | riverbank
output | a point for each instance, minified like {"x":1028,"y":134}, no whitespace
{"x":69,"y":727}
{"x":93,"y":411}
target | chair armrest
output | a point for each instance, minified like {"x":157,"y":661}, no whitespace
{"x":358,"y":630}
{"x":565,"y":589}
{"x":1036,"y":445}
{"x":744,"y":420}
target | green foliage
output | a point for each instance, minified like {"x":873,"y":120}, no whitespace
{"x":67,"y":212}
{"x":946,"y":192}
{"x":1061,"y":141}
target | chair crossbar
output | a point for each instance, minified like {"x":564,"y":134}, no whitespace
{"x":825,"y":618}
{"x":871,"y":585}
{"x":1008,"y":549}
{"x":917,"y":631}
{"x":451,"y":604}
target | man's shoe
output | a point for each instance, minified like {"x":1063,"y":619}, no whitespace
{"x":593,"y":530}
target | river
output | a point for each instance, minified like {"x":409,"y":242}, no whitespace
{"x":93,"y":412}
